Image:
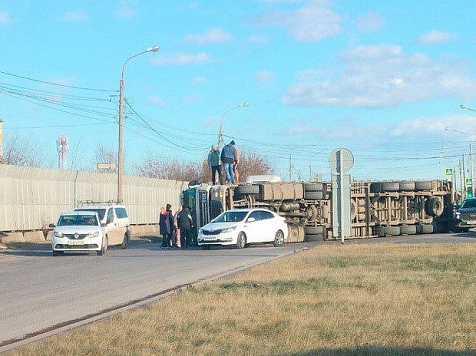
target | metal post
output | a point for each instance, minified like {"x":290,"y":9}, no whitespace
{"x":471,"y":167}
{"x":1,"y":142}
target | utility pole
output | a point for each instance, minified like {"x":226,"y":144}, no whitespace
{"x":1,"y":142}
{"x":290,"y":167}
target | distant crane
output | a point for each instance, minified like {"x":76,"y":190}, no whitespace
{"x":62,"y":146}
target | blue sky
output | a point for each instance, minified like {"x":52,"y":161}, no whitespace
{"x":381,"y":78}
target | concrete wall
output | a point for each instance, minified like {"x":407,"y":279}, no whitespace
{"x":31,"y":198}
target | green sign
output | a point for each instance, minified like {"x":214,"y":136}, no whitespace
{"x":449,"y":172}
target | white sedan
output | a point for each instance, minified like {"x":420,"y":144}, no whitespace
{"x":244,"y":226}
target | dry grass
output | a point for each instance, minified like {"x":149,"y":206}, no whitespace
{"x":334,"y":300}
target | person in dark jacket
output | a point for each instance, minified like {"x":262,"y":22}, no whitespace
{"x":166,"y":223}
{"x":184,"y":223}
{"x":228,"y":158}
{"x":214,"y":164}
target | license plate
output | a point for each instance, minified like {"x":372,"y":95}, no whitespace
{"x":75,"y":242}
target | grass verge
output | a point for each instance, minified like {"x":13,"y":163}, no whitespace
{"x":354,"y":299}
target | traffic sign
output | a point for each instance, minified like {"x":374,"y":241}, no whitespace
{"x":449,"y":172}
{"x":468,"y":182}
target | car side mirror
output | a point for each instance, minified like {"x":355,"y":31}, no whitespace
{"x":52,"y":225}
{"x":251,"y":219}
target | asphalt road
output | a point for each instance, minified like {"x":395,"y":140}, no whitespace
{"x":39,"y":292}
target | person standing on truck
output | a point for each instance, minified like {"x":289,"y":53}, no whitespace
{"x":166,"y":222}
{"x":185,"y":223}
{"x":214,"y":164}
{"x":228,"y":157}
{"x":235,"y":166}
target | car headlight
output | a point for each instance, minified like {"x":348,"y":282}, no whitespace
{"x":93,"y":234}
{"x":458,"y":215}
{"x":200,"y":231}
{"x":58,"y":234}
{"x":229,"y":229}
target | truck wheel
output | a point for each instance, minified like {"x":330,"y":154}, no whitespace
{"x":125,"y":241}
{"x":408,"y":229}
{"x":407,"y":185}
{"x":314,"y":237}
{"x":241,"y":241}
{"x":247,"y":189}
{"x":313,"y":195}
{"x":278,"y":238}
{"x":427,"y":229}
{"x":375,"y":187}
{"x":423,"y":185}
{"x":435,"y":206}
{"x":312,"y":187}
{"x":390,"y":186}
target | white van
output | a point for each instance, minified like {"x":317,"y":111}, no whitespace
{"x":114,"y":219}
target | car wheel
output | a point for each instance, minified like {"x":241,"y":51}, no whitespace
{"x":103,"y":249}
{"x":241,"y":240}
{"x":206,"y":247}
{"x":125,"y":241}
{"x":278,"y":238}
{"x":58,"y":253}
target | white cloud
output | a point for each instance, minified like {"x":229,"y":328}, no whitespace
{"x":75,"y":16}
{"x":199,"y":80}
{"x":180,"y":59}
{"x":311,"y":23}
{"x":214,"y":35}
{"x":5,"y":18}
{"x":437,"y":126}
{"x":436,"y":37}
{"x":265,"y":77}
{"x":381,"y":76}
{"x":127,"y":9}
{"x":258,"y":39}
{"x":370,"y":22}
{"x":157,"y":101}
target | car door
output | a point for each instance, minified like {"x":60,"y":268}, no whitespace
{"x":253,"y":227}
{"x":113,"y":231}
{"x":268,"y":225}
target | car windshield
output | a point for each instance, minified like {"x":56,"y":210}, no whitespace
{"x":231,"y":216}
{"x":100,"y":212}
{"x":469,"y":203}
{"x":73,"y":220}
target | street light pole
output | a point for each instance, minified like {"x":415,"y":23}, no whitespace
{"x":220,"y":133}
{"x":1,"y":142}
{"x":121,"y":119}
{"x":471,"y":164}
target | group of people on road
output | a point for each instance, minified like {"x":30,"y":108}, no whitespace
{"x":175,"y":228}
{"x":230,"y":157}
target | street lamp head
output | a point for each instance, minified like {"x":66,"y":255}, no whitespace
{"x":448,"y":128}
{"x":153,"y":49}
{"x":463,"y":106}
{"x":245,"y":105}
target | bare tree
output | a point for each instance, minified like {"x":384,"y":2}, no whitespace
{"x":106,"y":155}
{"x":22,"y":151}
{"x":157,"y":167}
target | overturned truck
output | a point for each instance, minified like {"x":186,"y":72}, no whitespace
{"x":377,"y":208}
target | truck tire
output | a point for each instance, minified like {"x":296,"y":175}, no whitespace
{"x":312,"y":187}
{"x":314,"y":195}
{"x":390,"y":186}
{"x":375,"y":187}
{"x":434,"y":206}
{"x":408,"y":229}
{"x":382,"y":231}
{"x":315,"y":237}
{"x":313,"y":230}
{"x":407,"y":185}
{"x":247,"y":189}
{"x":427,"y":229}
{"x":423,"y":185}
